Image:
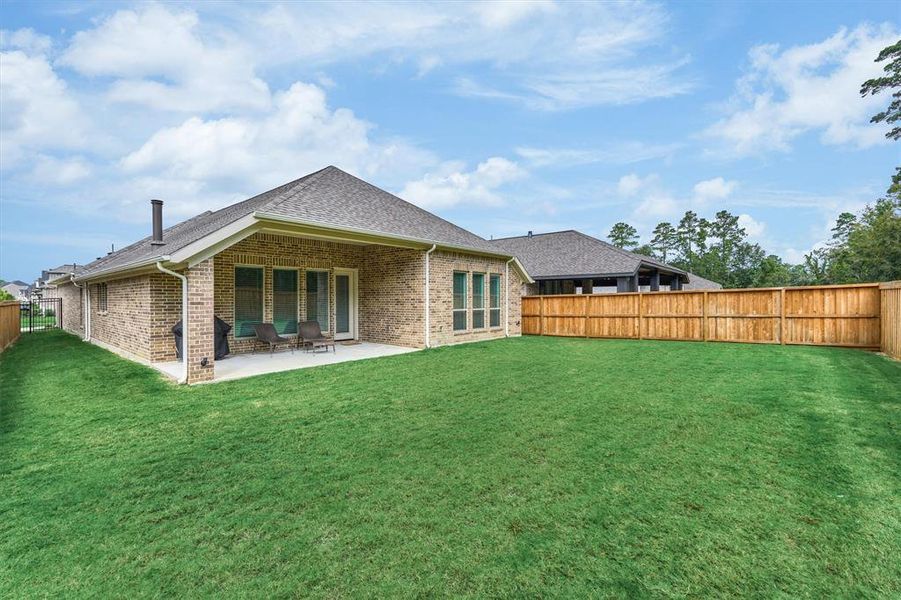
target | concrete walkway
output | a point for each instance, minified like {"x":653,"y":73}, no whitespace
{"x":247,"y":365}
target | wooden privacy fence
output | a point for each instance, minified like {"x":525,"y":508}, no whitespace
{"x":9,"y":323}
{"x":855,"y":316}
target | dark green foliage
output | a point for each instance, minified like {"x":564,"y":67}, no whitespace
{"x":530,"y":467}
{"x":623,"y":235}
{"x":890,"y":81}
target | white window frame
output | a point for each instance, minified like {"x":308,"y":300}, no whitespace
{"x":235,"y":268}
{"x":465,"y":309}
{"x":484,"y":309}
{"x":500,"y":289}
{"x":102,"y":298}
{"x":296,"y":304}
{"x":328,"y":298}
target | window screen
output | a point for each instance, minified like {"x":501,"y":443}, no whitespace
{"x":478,"y":300}
{"x":284,"y":300}
{"x":494,"y":296}
{"x":317,"y":298}
{"x":459,"y":301}
{"x":248,"y":299}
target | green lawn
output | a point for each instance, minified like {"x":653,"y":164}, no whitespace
{"x":522,"y":467}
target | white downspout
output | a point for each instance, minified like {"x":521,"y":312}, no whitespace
{"x":85,"y":308}
{"x":428,"y":330}
{"x":507,"y":297}
{"x":184,"y":319}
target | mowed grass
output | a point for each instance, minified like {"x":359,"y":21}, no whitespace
{"x":522,"y":467}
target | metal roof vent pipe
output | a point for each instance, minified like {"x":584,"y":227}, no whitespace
{"x":157,"y":206}
{"x":530,"y":234}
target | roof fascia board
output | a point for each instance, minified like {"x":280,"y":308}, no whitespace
{"x":188,"y":253}
{"x":127,"y":268}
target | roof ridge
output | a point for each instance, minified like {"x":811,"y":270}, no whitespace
{"x":295,"y":186}
{"x":376,"y":188}
{"x":516,"y":237}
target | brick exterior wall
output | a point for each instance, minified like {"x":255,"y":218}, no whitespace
{"x":73,"y":320}
{"x":441,"y":270}
{"x":143,"y":309}
{"x":126,"y":322}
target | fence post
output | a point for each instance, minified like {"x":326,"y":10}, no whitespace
{"x":540,"y":315}
{"x":704,"y":316}
{"x":586,"y":318}
{"x":640,"y":334}
{"x":782,"y":316}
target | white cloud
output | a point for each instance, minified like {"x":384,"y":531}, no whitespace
{"x":543,"y":55}
{"x":26,"y":40}
{"x":800,"y":89}
{"x":629,"y":185}
{"x":164,"y":59}
{"x":38,"y":110}
{"x":236,"y":155}
{"x":617,"y":153}
{"x":452,"y":185}
{"x":713,"y":189}
{"x":752,"y":227}
{"x":50,"y":170}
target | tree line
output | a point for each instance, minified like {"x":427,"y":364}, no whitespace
{"x":865,"y":247}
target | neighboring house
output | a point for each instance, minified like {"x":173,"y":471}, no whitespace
{"x":571,"y":262}
{"x":696,"y":282}
{"x":327,"y":247}
{"x":42,"y":284}
{"x":19,"y":290}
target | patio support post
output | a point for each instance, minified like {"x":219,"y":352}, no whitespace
{"x":184,"y":319}
{"x":655,"y":281}
{"x":199,"y":345}
{"x":428,"y":307}
{"x":507,"y":297}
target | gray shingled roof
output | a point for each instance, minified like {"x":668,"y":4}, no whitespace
{"x":696,"y":282}
{"x":564,"y":254}
{"x":329,"y":197}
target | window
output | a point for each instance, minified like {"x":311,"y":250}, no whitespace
{"x":284,"y":300}
{"x":317,"y":298}
{"x":459,"y":301}
{"x":102,"y":300}
{"x":248,"y":300}
{"x":494,"y":299}
{"x":478,"y":300}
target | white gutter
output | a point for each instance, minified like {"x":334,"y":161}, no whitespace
{"x":507,"y":297}
{"x":428,"y":307}
{"x":85,"y":308}
{"x":184,"y":319}
{"x":132,"y":265}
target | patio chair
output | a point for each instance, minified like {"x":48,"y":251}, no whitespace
{"x":266,"y":334}
{"x":311,"y":336}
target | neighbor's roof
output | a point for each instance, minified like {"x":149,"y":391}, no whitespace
{"x":328,"y":198}
{"x":696,"y":282}
{"x":565,"y":254}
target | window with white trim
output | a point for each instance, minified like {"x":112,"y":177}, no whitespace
{"x":478,"y":300}
{"x":248,"y":300}
{"x":459,"y":301}
{"x":284,"y":300}
{"x":317,"y":298}
{"x":102,"y":297}
{"x":494,"y":301}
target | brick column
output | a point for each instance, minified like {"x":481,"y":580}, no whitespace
{"x":200,"y":322}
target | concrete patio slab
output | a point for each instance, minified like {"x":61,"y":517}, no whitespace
{"x":246,"y":365}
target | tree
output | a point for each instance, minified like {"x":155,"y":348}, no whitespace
{"x":664,"y":240}
{"x":891,"y":115}
{"x":644,"y":249}
{"x":4,"y":296}
{"x":691,"y":240}
{"x":623,"y":235}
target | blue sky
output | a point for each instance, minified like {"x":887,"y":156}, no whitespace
{"x":502,"y":117}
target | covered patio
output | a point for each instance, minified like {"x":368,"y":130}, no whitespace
{"x":238,"y":366}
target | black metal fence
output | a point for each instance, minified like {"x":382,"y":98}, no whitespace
{"x":41,"y":314}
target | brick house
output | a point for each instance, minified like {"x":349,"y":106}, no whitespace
{"x":328,"y":247}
